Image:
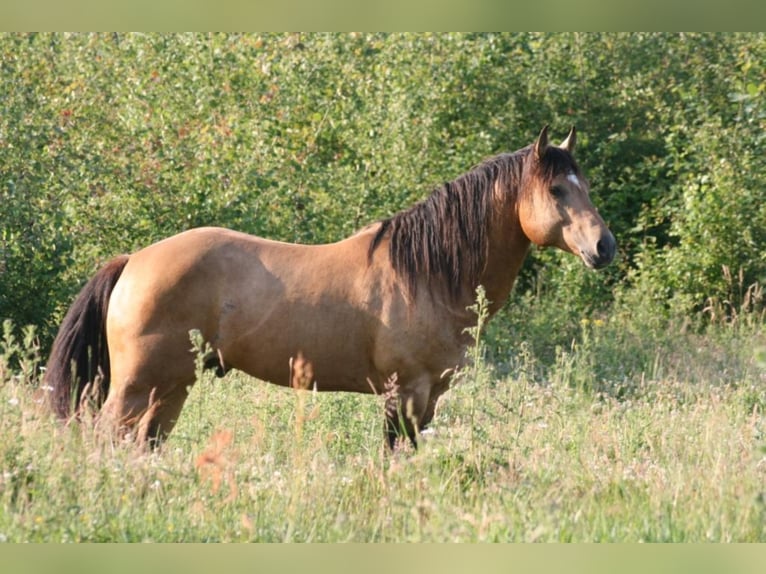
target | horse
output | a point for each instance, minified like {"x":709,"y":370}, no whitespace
{"x":386,"y":307}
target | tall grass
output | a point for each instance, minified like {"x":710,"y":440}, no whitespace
{"x":622,"y":436}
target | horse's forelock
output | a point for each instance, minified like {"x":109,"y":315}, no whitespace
{"x":555,"y":161}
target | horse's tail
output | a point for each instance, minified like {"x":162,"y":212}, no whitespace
{"x":80,"y":355}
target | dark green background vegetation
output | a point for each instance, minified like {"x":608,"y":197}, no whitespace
{"x":109,"y":142}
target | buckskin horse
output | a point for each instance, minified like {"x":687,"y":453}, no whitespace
{"x":388,"y":303}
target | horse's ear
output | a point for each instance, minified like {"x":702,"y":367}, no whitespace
{"x":542,"y":143}
{"x":569,"y":143}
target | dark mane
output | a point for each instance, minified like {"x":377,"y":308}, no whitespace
{"x":446,"y":235}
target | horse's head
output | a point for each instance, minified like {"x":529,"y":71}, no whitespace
{"x":555,"y":208}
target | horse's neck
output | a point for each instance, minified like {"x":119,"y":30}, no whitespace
{"x":507,"y":249}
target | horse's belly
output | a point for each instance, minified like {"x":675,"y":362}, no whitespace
{"x":303,"y":370}
{"x":327,"y":361}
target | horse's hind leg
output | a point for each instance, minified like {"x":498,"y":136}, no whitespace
{"x":144,"y":413}
{"x":148,"y":393}
{"x":161,"y":416}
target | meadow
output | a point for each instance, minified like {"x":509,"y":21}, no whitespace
{"x":520,"y":451}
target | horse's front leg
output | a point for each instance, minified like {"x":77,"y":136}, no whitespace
{"x":406,"y":409}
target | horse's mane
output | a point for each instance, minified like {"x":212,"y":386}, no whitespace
{"x":447,"y":234}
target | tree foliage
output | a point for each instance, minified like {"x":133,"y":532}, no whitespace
{"x":109,"y":142}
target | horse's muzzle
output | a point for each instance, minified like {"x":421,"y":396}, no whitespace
{"x":606,"y":247}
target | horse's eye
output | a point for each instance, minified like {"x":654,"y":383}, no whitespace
{"x":558,"y":191}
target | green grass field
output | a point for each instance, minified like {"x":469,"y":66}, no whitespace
{"x":674,"y":451}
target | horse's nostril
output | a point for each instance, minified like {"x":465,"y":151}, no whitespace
{"x":605,"y":248}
